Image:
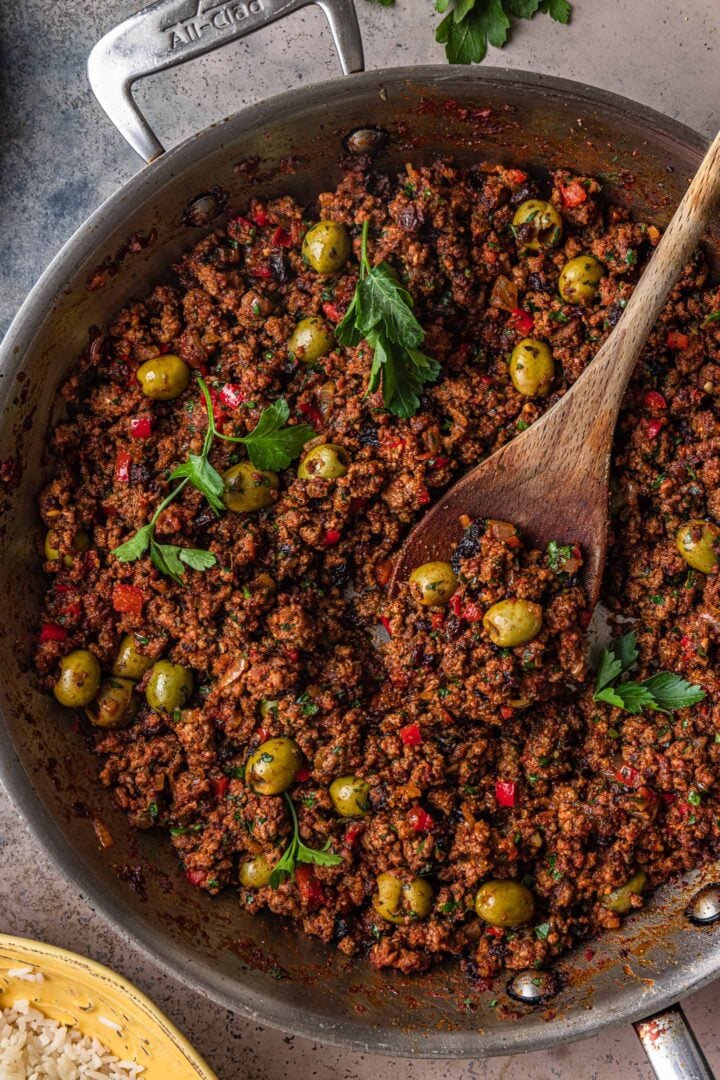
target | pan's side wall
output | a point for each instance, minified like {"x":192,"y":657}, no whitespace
{"x":645,"y":160}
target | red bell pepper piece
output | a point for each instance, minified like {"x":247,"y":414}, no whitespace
{"x":128,"y":599}
{"x":261,"y":272}
{"x":628,"y":776}
{"x":507,"y":712}
{"x":423,"y":496}
{"x":420,"y":820}
{"x":311,"y":891}
{"x":494,"y":931}
{"x":573,"y":194}
{"x":521,"y":320}
{"x":505,"y":792}
{"x":51,"y":631}
{"x":332,"y":536}
{"x":231,"y":395}
{"x":219,"y":787}
{"x":284,"y":239}
{"x":293,"y":655}
{"x":261,"y":219}
{"x":411,"y":735}
{"x":302,"y":774}
{"x":311,"y":413}
{"x":437,"y":620}
{"x":473,"y":612}
{"x":456,"y":605}
{"x":654,"y":400}
{"x":515,"y":177}
{"x":654,"y":427}
{"x":332,"y":312}
{"x":196,"y":877}
{"x":122,"y":467}
{"x":353,"y":834}
{"x":141,"y":427}
{"x":677,"y":340}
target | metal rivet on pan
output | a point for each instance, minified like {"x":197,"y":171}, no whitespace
{"x":533,"y":987}
{"x":366,"y":140}
{"x":200,"y":210}
{"x":704,"y":908}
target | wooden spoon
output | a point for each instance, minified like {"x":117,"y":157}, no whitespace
{"x":552,"y":481}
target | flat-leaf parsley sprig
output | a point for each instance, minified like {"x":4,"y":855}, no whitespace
{"x":381,"y":314}
{"x":270,"y":445}
{"x":663,"y":692}
{"x":297,"y":852}
{"x":470,"y":25}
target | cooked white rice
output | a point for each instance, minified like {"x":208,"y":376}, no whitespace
{"x":35,"y":1048}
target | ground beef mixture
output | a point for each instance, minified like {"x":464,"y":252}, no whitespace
{"x":482,"y":762}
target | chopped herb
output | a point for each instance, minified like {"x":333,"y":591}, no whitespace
{"x":542,"y":931}
{"x":663,"y":692}
{"x":270,"y":445}
{"x":297,"y":852}
{"x":381,"y":314}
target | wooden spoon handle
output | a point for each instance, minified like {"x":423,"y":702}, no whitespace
{"x":612,"y":367}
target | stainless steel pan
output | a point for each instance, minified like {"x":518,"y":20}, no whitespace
{"x":293,"y":143}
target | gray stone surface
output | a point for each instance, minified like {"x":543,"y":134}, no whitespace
{"x":59,"y":158}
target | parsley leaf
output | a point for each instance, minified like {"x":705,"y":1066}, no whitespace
{"x":671,"y":692}
{"x":197,"y":558}
{"x":663,"y":692}
{"x":559,"y":10}
{"x":271,"y":445}
{"x":202,"y":476}
{"x":297,"y":852}
{"x":631,"y":696}
{"x":381,"y":314}
{"x":136,"y":546}
{"x":471,"y":25}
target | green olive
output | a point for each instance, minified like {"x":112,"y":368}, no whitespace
{"x":164,"y":378}
{"x":311,"y":339}
{"x":513,"y":622}
{"x":169,"y":686}
{"x":620,"y":899}
{"x":272,"y":767}
{"x":326,"y":462}
{"x":255,"y":872}
{"x":579,"y":279}
{"x":350,"y":796}
{"x":532,"y":368}
{"x":697,"y":542}
{"x":248,"y":489}
{"x":115,"y":704}
{"x":433,"y":583}
{"x":504,"y":903}
{"x":327,"y":247}
{"x":130,"y":663}
{"x":79,"y":679}
{"x":81,"y":542}
{"x":541,"y":221}
{"x":396,"y":900}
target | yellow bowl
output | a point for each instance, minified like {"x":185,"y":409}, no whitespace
{"x":78,"y":992}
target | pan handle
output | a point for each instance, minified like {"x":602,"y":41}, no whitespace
{"x":168,"y":32}
{"x":671,"y":1047}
